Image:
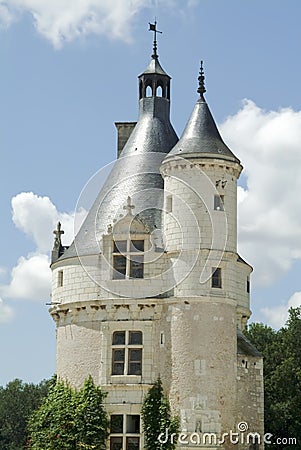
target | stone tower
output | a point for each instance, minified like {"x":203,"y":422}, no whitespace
{"x":152,"y":284}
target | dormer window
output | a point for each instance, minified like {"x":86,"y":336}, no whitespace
{"x":128,"y":259}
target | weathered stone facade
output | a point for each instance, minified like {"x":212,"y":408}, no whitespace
{"x":174,"y":306}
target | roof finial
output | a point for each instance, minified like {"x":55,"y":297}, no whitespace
{"x":58,"y":232}
{"x":153,"y":27}
{"x":201,"y":89}
{"x":128,"y":207}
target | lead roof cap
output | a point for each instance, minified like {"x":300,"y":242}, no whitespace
{"x":201,"y":135}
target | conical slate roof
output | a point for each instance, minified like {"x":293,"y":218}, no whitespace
{"x":201,"y":135}
{"x":136,"y":174}
{"x":155,"y":67}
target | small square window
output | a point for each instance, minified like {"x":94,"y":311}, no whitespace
{"x":118,"y":338}
{"x":133,"y":424}
{"x":219,"y":203}
{"x":216,"y":280}
{"x":116,"y":443}
{"x":116,"y":425}
{"x":135,"y":338}
{"x":119,"y":247}
{"x":132,"y":443}
{"x":137,"y":246}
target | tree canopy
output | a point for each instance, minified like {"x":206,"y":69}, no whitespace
{"x":156,"y":418}
{"x":282,"y":376}
{"x":17,"y":402}
{"x":70,"y":419}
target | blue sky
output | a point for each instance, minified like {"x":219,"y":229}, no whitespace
{"x":68,"y":73}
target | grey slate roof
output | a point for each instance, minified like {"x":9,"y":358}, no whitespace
{"x":155,"y":67}
{"x":136,"y":174}
{"x":244,"y":346}
{"x":202,"y":136}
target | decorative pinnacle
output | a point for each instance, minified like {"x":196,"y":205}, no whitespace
{"x":58,"y":232}
{"x":153,"y":27}
{"x":201,"y":89}
{"x":128,"y":207}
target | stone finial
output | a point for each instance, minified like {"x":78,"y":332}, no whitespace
{"x":58,"y":249}
{"x":201,"y":89}
{"x":128,"y":207}
{"x":58,"y":232}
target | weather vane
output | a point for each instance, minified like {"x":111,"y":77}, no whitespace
{"x":153,"y":27}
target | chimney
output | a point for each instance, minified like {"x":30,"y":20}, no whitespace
{"x":124,"y":130}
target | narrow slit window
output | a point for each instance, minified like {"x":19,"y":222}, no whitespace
{"x":169,"y":203}
{"x":219,"y":202}
{"x":216,"y":280}
{"x":60,"y":278}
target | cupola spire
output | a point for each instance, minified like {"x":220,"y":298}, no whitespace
{"x":153,"y":27}
{"x":201,"y":89}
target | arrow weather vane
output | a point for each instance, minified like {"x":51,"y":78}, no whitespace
{"x":153,"y":27}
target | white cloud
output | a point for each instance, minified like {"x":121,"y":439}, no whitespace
{"x":276,"y":316}
{"x":37,"y":217}
{"x":30,"y":279}
{"x":6,"y":312}
{"x":269,"y":213}
{"x":62,"y":21}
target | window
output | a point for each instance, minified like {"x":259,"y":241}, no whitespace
{"x":248,"y":285}
{"x":219,"y":202}
{"x":125,"y":432}
{"x":149,"y":91}
{"x":128,"y":259}
{"x":60,"y":278}
{"x":216,"y":280}
{"x":127,"y":353}
{"x":169,"y":203}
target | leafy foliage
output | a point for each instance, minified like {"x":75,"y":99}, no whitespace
{"x":17,"y":402}
{"x":282,"y":376}
{"x":91,"y":418}
{"x":156,"y":418}
{"x":70,"y":420}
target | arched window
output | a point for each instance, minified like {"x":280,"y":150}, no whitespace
{"x":159,"y":91}
{"x":148,"y":91}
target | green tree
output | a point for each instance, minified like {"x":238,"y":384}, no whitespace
{"x":282,"y":376}
{"x":70,"y":419}
{"x":156,"y":418}
{"x":91,"y":418}
{"x":17,"y":402}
